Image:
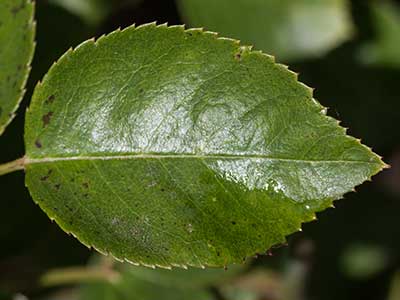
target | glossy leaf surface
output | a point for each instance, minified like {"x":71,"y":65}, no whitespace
{"x":288,"y":29}
{"x":17,"y":31}
{"x":170,"y":147}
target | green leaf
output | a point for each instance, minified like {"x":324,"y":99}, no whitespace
{"x":384,"y":50}
{"x":148,"y":284}
{"x":288,"y":29}
{"x":17,"y":32}
{"x":92,"y":11}
{"x":169,"y":147}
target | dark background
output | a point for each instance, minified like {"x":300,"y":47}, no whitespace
{"x":366,"y":99}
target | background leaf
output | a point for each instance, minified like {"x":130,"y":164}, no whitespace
{"x":147,"y":284}
{"x":385,"y":49}
{"x":171,"y":147}
{"x":290,"y":30}
{"x":134,"y":285}
{"x":17,"y":31}
{"x":93,"y":12}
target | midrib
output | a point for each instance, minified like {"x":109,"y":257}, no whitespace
{"x":188,"y":156}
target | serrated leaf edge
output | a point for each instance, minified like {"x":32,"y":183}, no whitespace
{"x":22,"y":88}
{"x":242,"y":49}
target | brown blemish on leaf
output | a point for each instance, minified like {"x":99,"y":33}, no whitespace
{"x":44,"y":178}
{"x":85,"y":185}
{"x":57,"y":186}
{"x":47,"y":118}
{"x":50,"y":99}
{"x":239,"y":53}
{"x":38,"y":144}
{"x":16,"y":9}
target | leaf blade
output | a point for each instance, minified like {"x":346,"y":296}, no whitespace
{"x":176,"y":148}
{"x":17,"y":31}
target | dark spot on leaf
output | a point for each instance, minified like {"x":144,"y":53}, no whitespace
{"x":16,"y":9}
{"x":50,"y":99}
{"x":218,"y":253}
{"x":47,"y":118}
{"x":86,"y":195}
{"x":38,"y":144}
{"x":162,"y":190}
{"x":85,"y":185}
{"x":239,"y":53}
{"x":57,"y":186}
{"x":19,"y":67}
{"x":233,"y":222}
{"x":44,"y":178}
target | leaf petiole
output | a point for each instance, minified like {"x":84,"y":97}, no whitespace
{"x":12,"y":166}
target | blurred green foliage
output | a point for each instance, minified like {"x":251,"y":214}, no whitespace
{"x":290,"y":30}
{"x":384,"y":49}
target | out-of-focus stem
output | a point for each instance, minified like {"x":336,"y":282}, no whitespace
{"x":77,"y":275}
